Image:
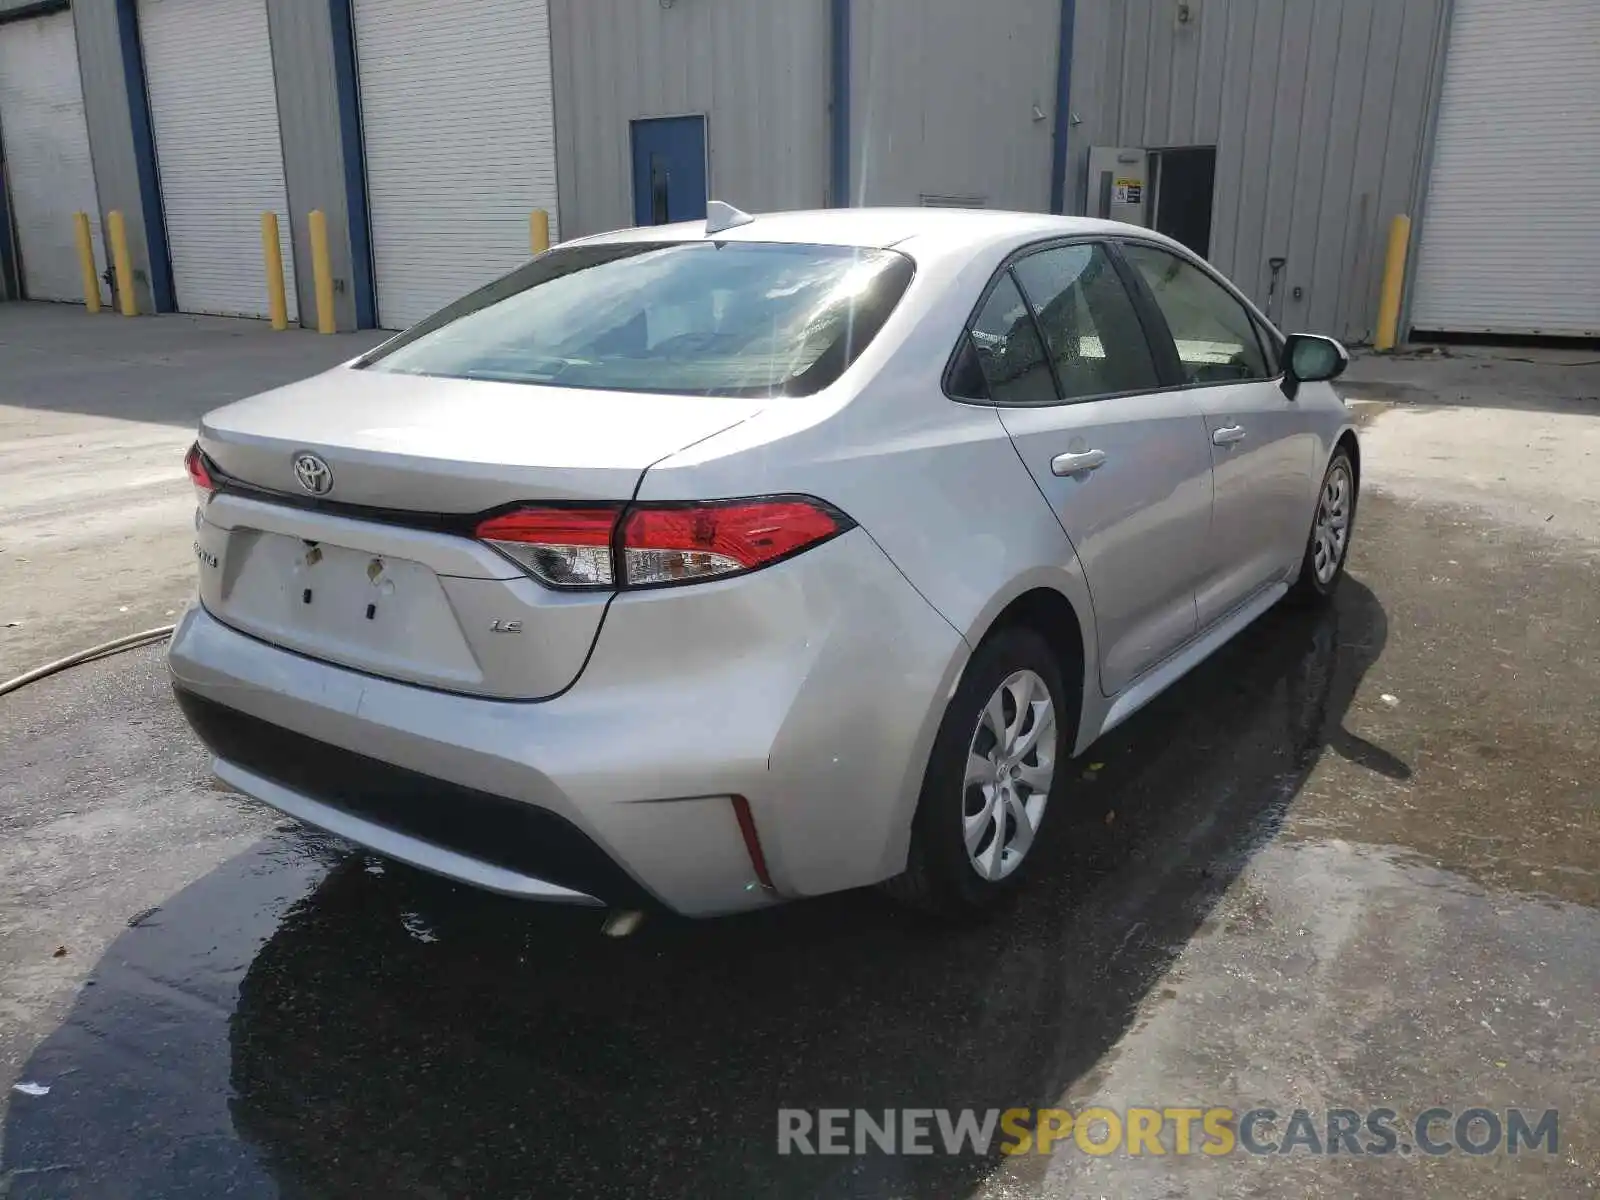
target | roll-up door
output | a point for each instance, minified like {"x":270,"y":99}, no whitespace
{"x":45,"y":145}
{"x":459,"y":136}
{"x":208,"y":68}
{"x":1511,"y":233}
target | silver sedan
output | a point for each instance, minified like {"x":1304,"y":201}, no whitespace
{"x":725,"y":563}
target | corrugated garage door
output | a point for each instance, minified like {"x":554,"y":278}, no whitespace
{"x":208,"y":66}
{"x":1509,"y":237}
{"x":460,"y":143}
{"x":46,"y":151}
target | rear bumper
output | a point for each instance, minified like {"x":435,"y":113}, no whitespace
{"x":813,"y":689}
{"x":495,"y":843}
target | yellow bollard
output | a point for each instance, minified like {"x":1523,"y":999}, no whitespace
{"x":322,"y":270}
{"x":1394,"y":277}
{"x":539,"y":231}
{"x":91,"y":281}
{"x":272,"y":256}
{"x":122,"y":264}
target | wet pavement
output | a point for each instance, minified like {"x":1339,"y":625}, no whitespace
{"x":1353,"y":861}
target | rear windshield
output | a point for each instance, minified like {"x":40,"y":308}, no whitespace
{"x":688,"y":318}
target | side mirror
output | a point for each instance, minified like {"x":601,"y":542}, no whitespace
{"x":1311,"y":358}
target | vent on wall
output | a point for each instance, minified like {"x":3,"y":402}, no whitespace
{"x":930,"y":201}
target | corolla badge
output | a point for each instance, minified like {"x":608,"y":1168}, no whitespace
{"x":314,"y":474}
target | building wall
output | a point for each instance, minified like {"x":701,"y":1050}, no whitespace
{"x":98,"y":27}
{"x":953,"y":99}
{"x":1318,"y":110}
{"x":757,"y":70}
{"x":305,"y":53}
{"x":113,"y":83}
{"x":1319,"y":113}
{"x":303,"y":63}
{"x":8,"y":265}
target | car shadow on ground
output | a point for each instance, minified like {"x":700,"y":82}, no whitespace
{"x":387,"y":1034}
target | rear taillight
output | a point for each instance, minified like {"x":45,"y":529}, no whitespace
{"x":659,"y":544}
{"x":683,"y":543}
{"x":195,"y":463}
{"x":563,"y":547}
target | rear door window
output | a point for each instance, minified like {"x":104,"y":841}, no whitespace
{"x":689,"y":318}
{"x":1215,"y":336}
{"x":1089,"y":322}
{"x":1003,"y":360}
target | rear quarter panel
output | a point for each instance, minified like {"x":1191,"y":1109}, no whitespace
{"x":936,"y":483}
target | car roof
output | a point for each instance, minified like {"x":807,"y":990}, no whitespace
{"x":948,"y":228}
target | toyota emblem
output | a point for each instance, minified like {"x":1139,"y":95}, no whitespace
{"x":314,"y":474}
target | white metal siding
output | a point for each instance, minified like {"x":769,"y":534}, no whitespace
{"x":1511,"y":235}
{"x":208,"y":66}
{"x":459,"y":135}
{"x":1317,"y":111}
{"x":47,"y":153}
{"x":953,"y":98}
{"x":756,"y":69}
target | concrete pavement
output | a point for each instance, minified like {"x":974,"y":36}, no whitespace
{"x":95,"y":414}
{"x":1514,"y":433}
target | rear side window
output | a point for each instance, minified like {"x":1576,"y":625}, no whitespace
{"x":1003,"y":360}
{"x":687,"y":318}
{"x":1090,"y":325}
{"x":1215,"y":336}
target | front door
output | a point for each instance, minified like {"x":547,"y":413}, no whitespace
{"x":1263,"y":450}
{"x":669,"y":170}
{"x":1126,"y":467}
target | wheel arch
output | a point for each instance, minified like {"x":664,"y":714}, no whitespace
{"x":1051,"y":614}
{"x":1351,"y":445}
{"x":1068,"y":631}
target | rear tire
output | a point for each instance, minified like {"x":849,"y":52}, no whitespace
{"x":1332,"y":524}
{"x":995,"y":768}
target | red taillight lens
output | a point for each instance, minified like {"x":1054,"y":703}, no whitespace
{"x":680,"y":544}
{"x":660,"y":544}
{"x":195,"y":463}
{"x":563,"y":547}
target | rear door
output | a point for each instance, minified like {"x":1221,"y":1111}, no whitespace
{"x":1125,"y":466}
{"x":1263,"y":448}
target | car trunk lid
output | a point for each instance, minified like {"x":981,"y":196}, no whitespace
{"x":430,"y":444}
{"x":378,"y":571}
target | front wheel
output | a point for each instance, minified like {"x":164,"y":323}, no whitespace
{"x":990,"y":777}
{"x":1331,"y":526}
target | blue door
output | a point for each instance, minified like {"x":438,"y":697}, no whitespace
{"x":669,"y":170}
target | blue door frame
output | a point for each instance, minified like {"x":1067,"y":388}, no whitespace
{"x":669,"y":169}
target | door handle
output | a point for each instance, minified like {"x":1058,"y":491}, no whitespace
{"x":1227,"y":435}
{"x":1072,"y":464}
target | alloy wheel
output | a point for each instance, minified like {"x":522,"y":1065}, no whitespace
{"x":1010,"y":763}
{"x":1331,"y":531}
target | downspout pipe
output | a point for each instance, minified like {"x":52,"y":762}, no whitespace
{"x":1058,"y":145}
